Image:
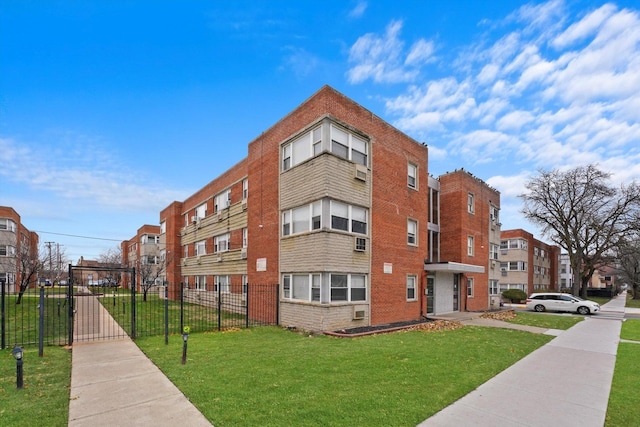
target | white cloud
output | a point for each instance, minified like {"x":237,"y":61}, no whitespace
{"x":358,"y":9}
{"x":380,"y":58}
{"x":584,"y":28}
{"x":85,"y":174}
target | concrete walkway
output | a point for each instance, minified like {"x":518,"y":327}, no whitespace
{"x":114,"y":384}
{"x":563,"y":383}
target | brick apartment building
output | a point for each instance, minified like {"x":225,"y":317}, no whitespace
{"x":337,"y":207}
{"x":145,"y":253}
{"x":528,"y":264}
{"x":470,"y":238}
{"x":17,"y":243}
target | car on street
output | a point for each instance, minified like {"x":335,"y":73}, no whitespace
{"x":555,"y":301}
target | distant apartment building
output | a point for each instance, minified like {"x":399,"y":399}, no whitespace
{"x":147,"y":255}
{"x":337,"y":207}
{"x":566,"y":273}
{"x":527,"y":263}
{"x":18,"y":246}
{"x":470,"y":238}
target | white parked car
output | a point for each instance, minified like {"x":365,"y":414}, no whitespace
{"x":553,"y":301}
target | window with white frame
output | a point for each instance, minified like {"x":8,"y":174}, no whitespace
{"x":245,"y":189}
{"x":493,"y":251}
{"x":201,"y":211}
{"x":348,"y":217}
{"x":348,"y":287}
{"x":201,"y":282}
{"x":185,"y":251}
{"x":221,"y":243}
{"x":471,"y":208}
{"x":308,"y":286}
{"x":513,"y":266}
{"x":536,"y":251}
{"x":411,"y":287}
{"x":244,"y":237}
{"x":7,"y":224}
{"x":163,"y":227}
{"x":494,"y":288}
{"x":412,"y":176}
{"x":222,"y":201}
{"x":222,"y":283}
{"x":201,"y":247}
{"x":7,"y":250}
{"x":149,"y":239}
{"x":470,"y":287}
{"x":470,"y":245}
{"x":302,"y":218}
{"x":348,"y":146}
{"x":302,"y":148}
{"x":245,"y":283}
{"x":303,"y":287}
{"x":494,"y":214}
{"x":412,"y":232}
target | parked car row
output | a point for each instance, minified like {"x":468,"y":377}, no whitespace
{"x":553,"y":301}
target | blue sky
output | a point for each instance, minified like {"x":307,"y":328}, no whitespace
{"x":111,"y":110}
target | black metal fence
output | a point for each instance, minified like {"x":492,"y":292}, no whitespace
{"x":62,"y":315}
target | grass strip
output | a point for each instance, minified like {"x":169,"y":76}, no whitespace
{"x":624,"y":399}
{"x":546,"y":320}
{"x":44,"y":400}
{"x":271,"y":377}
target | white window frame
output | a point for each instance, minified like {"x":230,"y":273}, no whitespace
{"x":222,"y":201}
{"x":470,"y":245}
{"x":305,"y":223}
{"x":350,"y":144}
{"x":494,"y":287}
{"x":200,"y":247}
{"x":245,"y":239}
{"x":245,"y":189}
{"x":471,"y":208}
{"x":201,"y":282}
{"x":221,"y":243}
{"x":354,"y":214}
{"x":223,"y":281}
{"x":412,"y":176}
{"x":412,"y":285}
{"x":163,"y":227}
{"x":412,"y":232}
{"x":470,"y":289}
{"x":302,"y":148}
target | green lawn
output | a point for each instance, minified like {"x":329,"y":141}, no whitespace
{"x":633,"y":303}
{"x":44,"y":400}
{"x":272,"y":377}
{"x":546,"y":320}
{"x":624,"y":400}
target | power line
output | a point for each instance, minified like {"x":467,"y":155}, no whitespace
{"x":80,"y":237}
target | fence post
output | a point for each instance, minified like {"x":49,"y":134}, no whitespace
{"x":246,"y":308}
{"x":219,"y":307}
{"x":41,"y":323}
{"x":181,"y":306}
{"x":70,"y":304}
{"x":133,"y":304}
{"x":2,"y":310}
{"x":166,"y":313}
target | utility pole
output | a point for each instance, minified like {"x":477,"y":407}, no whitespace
{"x":49,"y":246}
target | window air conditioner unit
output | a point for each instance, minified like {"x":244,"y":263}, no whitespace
{"x":219,"y":259}
{"x":194,"y":218}
{"x":360,"y":244}
{"x":503,"y":269}
{"x":358,"y":314}
{"x":184,"y":261}
{"x":243,"y":254}
{"x":199,"y":259}
{"x":493,"y":264}
{"x":244,"y":205}
{"x":361,"y":173}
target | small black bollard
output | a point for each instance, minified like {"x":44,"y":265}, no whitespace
{"x":17,"y":354}
{"x":185,"y":338}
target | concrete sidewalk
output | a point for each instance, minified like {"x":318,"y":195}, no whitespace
{"x":114,"y":384}
{"x":564,"y":383}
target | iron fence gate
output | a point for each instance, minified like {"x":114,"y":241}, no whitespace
{"x":98,"y":308}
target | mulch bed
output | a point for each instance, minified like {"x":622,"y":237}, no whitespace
{"x":414,"y":325}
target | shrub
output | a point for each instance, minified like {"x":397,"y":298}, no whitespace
{"x":515,"y":295}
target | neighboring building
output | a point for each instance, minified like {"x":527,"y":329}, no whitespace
{"x":528,"y":264}
{"x":466,"y":275}
{"x":337,"y":207}
{"x":147,"y":255}
{"x":17,"y":243}
{"x":566,"y":273}
{"x":603,"y":278}
{"x":90,"y":273}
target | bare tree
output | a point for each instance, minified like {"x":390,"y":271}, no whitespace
{"x":629,"y":263}
{"x":150,"y":270}
{"x":29,"y":266}
{"x":579,"y":211}
{"x":111,"y":258}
